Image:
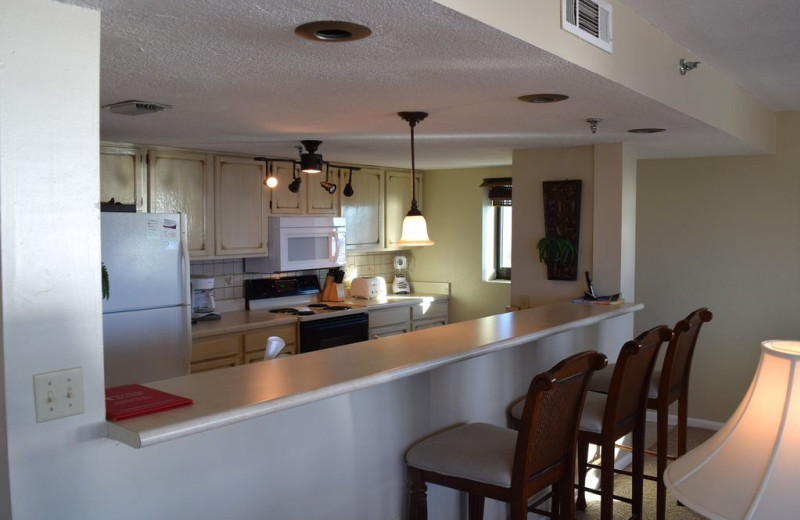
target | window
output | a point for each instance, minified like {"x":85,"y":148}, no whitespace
{"x":497,"y":229}
{"x":502,"y":242}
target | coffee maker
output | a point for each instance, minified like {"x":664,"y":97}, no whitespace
{"x":203,"y":305}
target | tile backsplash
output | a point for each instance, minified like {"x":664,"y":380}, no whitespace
{"x":229,"y":275}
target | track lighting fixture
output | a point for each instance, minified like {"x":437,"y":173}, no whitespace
{"x":294,"y":186}
{"x":328,"y":186}
{"x":311,"y":161}
{"x":270,"y":181}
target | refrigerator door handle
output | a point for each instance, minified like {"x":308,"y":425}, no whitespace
{"x":185,"y":266}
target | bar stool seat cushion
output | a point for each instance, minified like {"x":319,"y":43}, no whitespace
{"x":476,"y":451}
{"x":601,"y":381}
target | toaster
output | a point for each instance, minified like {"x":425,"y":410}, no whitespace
{"x":368,"y":287}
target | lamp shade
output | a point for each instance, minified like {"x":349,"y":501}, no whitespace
{"x":415,"y":232}
{"x":749,"y":469}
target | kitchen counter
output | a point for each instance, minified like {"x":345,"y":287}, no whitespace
{"x":242,"y":321}
{"x":227,"y":396}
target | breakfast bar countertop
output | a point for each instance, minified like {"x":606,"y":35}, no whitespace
{"x":227,"y":396}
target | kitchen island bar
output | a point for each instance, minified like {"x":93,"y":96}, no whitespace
{"x":228,"y":396}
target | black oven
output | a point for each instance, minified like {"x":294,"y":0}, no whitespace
{"x":333,"y":332}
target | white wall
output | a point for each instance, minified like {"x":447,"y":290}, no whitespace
{"x":724,"y":233}
{"x":50,"y":232}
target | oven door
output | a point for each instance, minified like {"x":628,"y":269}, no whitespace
{"x":333,"y":332}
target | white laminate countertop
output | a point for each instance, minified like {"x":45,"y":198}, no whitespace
{"x":229,"y":395}
{"x":243,"y":321}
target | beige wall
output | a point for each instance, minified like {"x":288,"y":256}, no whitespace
{"x":724,"y":233}
{"x":452,"y":206}
{"x":531,"y":167}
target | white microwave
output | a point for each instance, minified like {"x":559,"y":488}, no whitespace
{"x":301,"y":243}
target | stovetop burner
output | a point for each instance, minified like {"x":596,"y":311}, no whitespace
{"x":284,"y":310}
{"x":337,"y":307}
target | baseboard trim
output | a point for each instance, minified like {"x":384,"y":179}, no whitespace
{"x":672,"y":420}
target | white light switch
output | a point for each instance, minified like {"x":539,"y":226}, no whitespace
{"x":58,"y":394}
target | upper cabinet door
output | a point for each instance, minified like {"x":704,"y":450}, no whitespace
{"x":183,"y":182}
{"x":363,"y":211}
{"x":320,"y":201}
{"x":123,"y":176}
{"x":283,"y":200}
{"x":398,"y":202}
{"x":240,"y":206}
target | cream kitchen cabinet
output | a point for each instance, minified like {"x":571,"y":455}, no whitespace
{"x":310,"y":198}
{"x":213,"y":352}
{"x":183,"y":182}
{"x":255,"y":343}
{"x":389,"y":321}
{"x":426,"y":315}
{"x":123,"y":176}
{"x":364,"y":211}
{"x":228,"y":350}
{"x":320,"y":201}
{"x":241,"y":206}
{"x":398,"y":202}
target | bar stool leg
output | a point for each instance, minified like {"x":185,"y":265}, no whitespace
{"x":583,"y":455}
{"x":607,"y":480}
{"x":661,"y":459}
{"x":475,"y":507}
{"x":637,"y":479}
{"x":417,"y":495}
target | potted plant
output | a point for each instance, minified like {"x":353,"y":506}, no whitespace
{"x":105,"y":283}
{"x":557,"y":253}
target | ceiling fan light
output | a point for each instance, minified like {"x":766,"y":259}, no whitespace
{"x":415,"y":231}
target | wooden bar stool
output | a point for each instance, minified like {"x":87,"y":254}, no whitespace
{"x":668,"y":384}
{"x":608,"y":417}
{"x":485,"y":460}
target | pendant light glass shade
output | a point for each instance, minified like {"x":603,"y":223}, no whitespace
{"x":415,"y":232}
{"x":415,"y":229}
{"x":748,"y":469}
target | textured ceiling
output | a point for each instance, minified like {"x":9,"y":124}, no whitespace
{"x":755,"y":43}
{"x":240,"y":80}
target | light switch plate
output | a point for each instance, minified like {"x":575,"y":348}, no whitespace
{"x":58,"y":394}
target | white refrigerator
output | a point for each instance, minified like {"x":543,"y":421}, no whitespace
{"x":146,"y":319}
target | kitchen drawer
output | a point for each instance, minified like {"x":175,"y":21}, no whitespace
{"x":257,"y":341}
{"x":429,"y":323}
{"x":215,"y":347}
{"x":424,"y":311}
{"x":389,"y":330}
{"x":211,"y":364}
{"x":391,"y":316}
{"x":258,"y":355}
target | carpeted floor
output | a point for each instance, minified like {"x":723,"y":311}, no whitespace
{"x":622,"y":487}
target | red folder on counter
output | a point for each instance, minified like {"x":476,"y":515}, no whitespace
{"x":126,"y":401}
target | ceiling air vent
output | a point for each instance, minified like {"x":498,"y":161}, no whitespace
{"x":589,"y":20}
{"x":135,"y":108}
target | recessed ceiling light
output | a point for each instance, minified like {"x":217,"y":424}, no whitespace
{"x":330,"y":31}
{"x":543,"y":98}
{"x":645,"y":130}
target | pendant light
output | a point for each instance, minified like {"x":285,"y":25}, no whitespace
{"x":415,"y":229}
